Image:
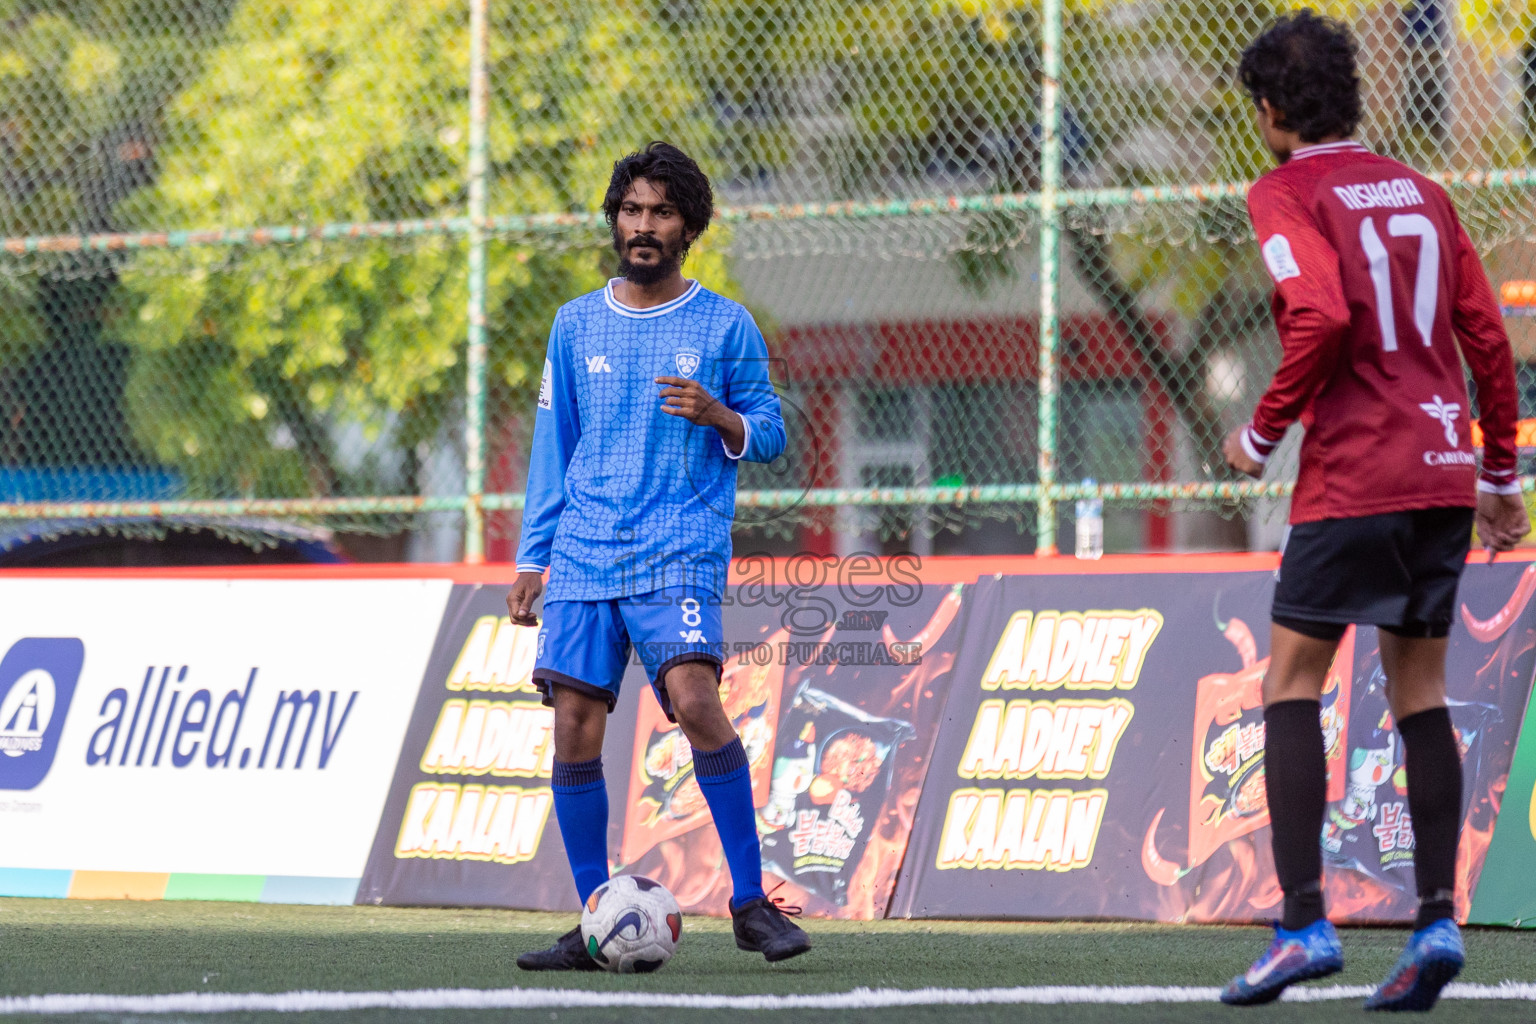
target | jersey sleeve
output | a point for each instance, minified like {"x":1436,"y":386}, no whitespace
{"x":1311,"y":314}
{"x":748,"y":391}
{"x":556,"y":429}
{"x":1479,"y":326}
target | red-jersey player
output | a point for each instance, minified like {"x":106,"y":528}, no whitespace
{"x":1375,"y":285}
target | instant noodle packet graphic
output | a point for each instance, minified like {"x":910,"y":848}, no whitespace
{"x":664,"y":795}
{"x":1226,"y":785}
{"x":830,"y":776}
{"x":1370,"y":830}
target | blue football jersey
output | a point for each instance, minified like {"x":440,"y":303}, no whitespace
{"x":623,"y":498}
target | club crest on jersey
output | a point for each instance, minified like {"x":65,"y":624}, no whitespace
{"x":1445,"y":412}
{"x":687,"y":363}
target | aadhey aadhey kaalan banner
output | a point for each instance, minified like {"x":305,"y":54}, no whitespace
{"x":923,"y":743}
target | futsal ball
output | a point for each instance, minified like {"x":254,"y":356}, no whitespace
{"x":631,"y":924}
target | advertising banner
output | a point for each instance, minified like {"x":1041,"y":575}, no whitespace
{"x":1084,"y":743}
{"x":201,"y":729}
{"x":838,"y":698}
{"x":1101,"y":754}
{"x":835,"y":686}
{"x":1505,"y":893}
{"x":469,"y":820}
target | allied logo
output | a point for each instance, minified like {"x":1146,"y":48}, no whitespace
{"x":687,"y":363}
{"x":598,"y":364}
{"x":37,"y":683}
{"x":1446,"y":413}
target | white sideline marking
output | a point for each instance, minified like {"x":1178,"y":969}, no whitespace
{"x":564,"y":998}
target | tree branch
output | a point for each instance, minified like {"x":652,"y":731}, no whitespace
{"x":1181,"y":376}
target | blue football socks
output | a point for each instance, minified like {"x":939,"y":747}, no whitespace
{"x":581,"y":807}
{"x":726,"y":779}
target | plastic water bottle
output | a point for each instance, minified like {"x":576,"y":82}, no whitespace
{"x":1090,"y":525}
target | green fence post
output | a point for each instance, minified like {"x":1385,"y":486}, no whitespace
{"x":475,"y":361}
{"x":1050,"y":267}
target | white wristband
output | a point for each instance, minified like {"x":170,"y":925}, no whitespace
{"x":1248,"y":447}
{"x":746,"y":439}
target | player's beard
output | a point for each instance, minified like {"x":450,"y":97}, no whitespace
{"x":645,"y":274}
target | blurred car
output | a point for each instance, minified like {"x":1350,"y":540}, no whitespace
{"x":163,"y":541}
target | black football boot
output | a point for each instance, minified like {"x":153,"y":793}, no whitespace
{"x":568,"y":953}
{"x":761,"y":926}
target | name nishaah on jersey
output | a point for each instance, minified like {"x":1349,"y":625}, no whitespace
{"x":1398,"y":192}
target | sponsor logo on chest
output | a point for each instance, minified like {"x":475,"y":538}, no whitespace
{"x":1445,"y":413}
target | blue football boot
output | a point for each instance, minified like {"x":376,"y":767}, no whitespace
{"x":1434,"y":956}
{"x":1312,"y":952}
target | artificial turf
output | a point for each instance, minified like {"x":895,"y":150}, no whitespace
{"x":70,"y":946}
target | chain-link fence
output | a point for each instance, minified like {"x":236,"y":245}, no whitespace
{"x":297,"y":259}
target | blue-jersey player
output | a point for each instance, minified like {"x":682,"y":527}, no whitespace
{"x":654,"y":387}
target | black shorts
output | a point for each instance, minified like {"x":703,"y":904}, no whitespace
{"x":1398,"y":571}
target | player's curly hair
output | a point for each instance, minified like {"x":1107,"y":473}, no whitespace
{"x":1304,"y":64}
{"x":687,"y":186}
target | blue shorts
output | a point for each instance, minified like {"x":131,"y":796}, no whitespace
{"x":586,"y":644}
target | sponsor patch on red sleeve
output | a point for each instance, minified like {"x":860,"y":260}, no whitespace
{"x":1278,"y":258}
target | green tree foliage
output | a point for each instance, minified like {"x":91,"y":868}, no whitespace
{"x":896,"y":84}
{"x":335,"y":368}
{"x":82,"y":85}
{"x":949,"y":89}
{"x":1160,"y":105}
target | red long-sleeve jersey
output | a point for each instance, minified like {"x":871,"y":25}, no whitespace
{"x":1375,"y":282}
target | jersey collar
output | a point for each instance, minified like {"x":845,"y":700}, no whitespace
{"x":654,"y":311}
{"x":1343,"y":146}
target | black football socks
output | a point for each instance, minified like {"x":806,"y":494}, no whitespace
{"x":1433,"y":767}
{"x":1296,"y":781}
